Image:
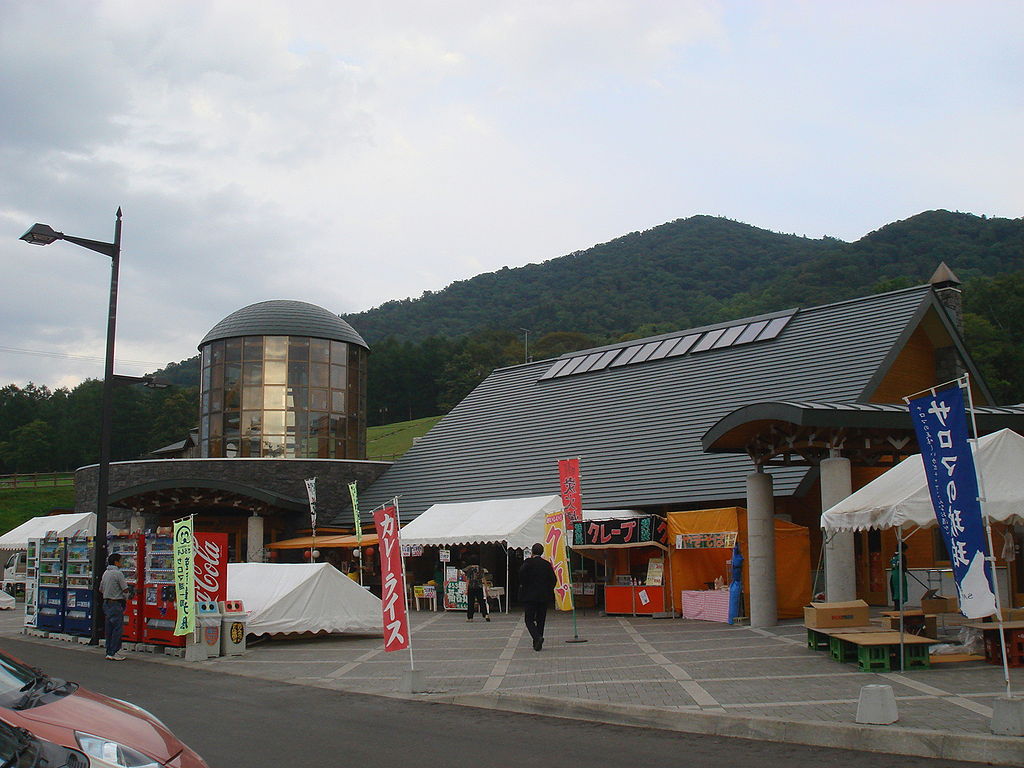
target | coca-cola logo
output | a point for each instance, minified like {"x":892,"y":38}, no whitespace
{"x":210,"y":567}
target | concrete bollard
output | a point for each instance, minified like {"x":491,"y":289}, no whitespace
{"x":412,"y":681}
{"x":1008,"y":716}
{"x":877,"y":705}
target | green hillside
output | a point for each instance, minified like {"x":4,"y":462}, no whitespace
{"x":20,"y":504}
{"x":389,"y":441}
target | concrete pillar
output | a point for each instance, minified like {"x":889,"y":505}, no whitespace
{"x":763,"y":608}
{"x":840,"y":563}
{"x":254,"y":540}
{"x":137,"y":523}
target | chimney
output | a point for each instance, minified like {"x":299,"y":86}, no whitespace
{"x":946,"y":285}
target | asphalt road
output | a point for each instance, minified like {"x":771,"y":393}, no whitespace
{"x":243,"y":722}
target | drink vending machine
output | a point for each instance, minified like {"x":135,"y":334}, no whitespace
{"x":132,"y":549}
{"x":50,"y":603}
{"x":78,"y":597}
{"x":31,"y":581}
{"x":159,"y":610}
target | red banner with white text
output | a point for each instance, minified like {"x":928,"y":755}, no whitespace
{"x":569,"y":482}
{"x":396,"y":618}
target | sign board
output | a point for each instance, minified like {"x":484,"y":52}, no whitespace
{"x":655,"y":572}
{"x":444,"y":555}
{"x":722,"y":540}
{"x":617,"y":532}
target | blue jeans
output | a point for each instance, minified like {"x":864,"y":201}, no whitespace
{"x":113,"y":624}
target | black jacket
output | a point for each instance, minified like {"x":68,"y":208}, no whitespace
{"x":536,"y":581}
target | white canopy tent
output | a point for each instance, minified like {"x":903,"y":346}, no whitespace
{"x":900,"y":498}
{"x":36,"y":528}
{"x":287,"y":598}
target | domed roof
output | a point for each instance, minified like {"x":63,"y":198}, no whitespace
{"x":284,"y":318}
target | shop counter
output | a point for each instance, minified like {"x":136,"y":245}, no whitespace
{"x":638,"y":599}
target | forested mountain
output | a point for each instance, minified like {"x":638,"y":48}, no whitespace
{"x":428,"y":353}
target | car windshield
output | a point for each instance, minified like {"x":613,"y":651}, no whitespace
{"x":14,"y":677}
{"x":17,"y":748}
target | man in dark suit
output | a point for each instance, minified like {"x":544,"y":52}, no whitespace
{"x":536,"y":585}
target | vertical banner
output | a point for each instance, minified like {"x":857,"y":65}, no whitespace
{"x":311,"y":493}
{"x":396,"y":618}
{"x":355,"y":512}
{"x":569,"y":482}
{"x":211,"y":567}
{"x":554,"y":551}
{"x":940,"y":421}
{"x":184,"y":577}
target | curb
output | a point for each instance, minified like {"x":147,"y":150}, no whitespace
{"x":919,"y":742}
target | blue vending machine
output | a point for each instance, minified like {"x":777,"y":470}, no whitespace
{"x":78,"y":597}
{"x":50,"y":603}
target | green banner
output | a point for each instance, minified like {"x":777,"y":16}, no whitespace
{"x":355,"y":512}
{"x":184,"y":577}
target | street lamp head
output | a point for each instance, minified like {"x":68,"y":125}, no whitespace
{"x":41,"y":234}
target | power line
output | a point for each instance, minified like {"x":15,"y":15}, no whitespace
{"x":68,"y":356}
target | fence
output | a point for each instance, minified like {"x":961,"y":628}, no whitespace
{"x":38,"y":480}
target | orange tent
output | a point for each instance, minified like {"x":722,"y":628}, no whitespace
{"x":701,"y":546}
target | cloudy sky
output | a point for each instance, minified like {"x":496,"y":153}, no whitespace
{"x":347,"y":153}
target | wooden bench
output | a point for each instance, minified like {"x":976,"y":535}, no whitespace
{"x":820,"y":638}
{"x":873,"y":650}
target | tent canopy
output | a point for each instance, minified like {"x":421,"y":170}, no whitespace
{"x":519,"y":523}
{"x":323,"y":542}
{"x":302,"y":597}
{"x":900,"y":497}
{"x":38,"y":527}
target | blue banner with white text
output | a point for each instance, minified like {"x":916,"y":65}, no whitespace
{"x":941,"y":424}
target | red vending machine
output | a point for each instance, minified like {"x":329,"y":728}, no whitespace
{"x":132,"y":548}
{"x":159,"y":612}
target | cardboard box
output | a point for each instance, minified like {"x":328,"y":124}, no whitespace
{"x":853,"y":613}
{"x":940,"y":604}
{"x":917,"y":625}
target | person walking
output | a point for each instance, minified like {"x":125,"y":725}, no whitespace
{"x":536,"y":586}
{"x":114,"y":590}
{"x":476,"y":578}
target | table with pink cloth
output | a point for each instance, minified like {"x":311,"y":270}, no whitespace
{"x":706,"y":604}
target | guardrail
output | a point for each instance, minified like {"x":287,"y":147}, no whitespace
{"x":38,"y":480}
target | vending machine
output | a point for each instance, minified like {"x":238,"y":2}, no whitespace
{"x":31,"y":581}
{"x":132,"y":549}
{"x":50,"y":602}
{"x":78,"y":593}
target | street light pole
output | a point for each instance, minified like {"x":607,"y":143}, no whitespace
{"x":41,"y":234}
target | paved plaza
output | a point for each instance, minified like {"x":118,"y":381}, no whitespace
{"x":667,"y":673}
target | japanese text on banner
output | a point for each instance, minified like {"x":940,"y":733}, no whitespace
{"x":554,"y":551}
{"x":569,"y":482}
{"x":396,"y":618}
{"x":311,"y":494}
{"x":184,"y":577}
{"x":355,"y":512}
{"x":940,"y":421}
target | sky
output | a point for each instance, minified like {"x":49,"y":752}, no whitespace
{"x":349,"y":153}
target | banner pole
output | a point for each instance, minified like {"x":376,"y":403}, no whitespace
{"x":965,"y":383}
{"x":405,"y":587}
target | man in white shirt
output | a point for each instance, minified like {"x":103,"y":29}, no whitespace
{"x":114,"y":590}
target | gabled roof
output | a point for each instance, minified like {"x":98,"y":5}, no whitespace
{"x":637,"y":427}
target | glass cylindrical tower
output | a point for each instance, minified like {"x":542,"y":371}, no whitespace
{"x":283,"y":379}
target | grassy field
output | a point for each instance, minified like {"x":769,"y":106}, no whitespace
{"x":390,"y":441}
{"x":20,"y":504}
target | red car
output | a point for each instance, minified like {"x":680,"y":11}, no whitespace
{"x":113,"y":733}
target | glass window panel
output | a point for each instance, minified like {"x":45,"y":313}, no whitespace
{"x":337,"y":425}
{"x":339,"y":353}
{"x":204,"y":357}
{"x":216,"y":400}
{"x":204,"y":428}
{"x":216,"y":448}
{"x":626,"y":356}
{"x":252,"y":373}
{"x":298,"y":348}
{"x":275,"y":372}
{"x":556,"y":368}
{"x":291,"y":418}
{"x":588,"y":362}
{"x":663,"y":349}
{"x":273,"y":445}
{"x":204,"y":403}
{"x":751,"y":331}
{"x":337,"y":377}
{"x":233,"y":350}
{"x":232,"y":374}
{"x":207,"y":377}
{"x":318,"y":399}
{"x":709,"y":339}
{"x":231,"y":422}
{"x":298,"y":374}
{"x":645,"y":351}
{"x":273,"y":398}
{"x":319,"y":351}
{"x":353,"y":378}
{"x":216,"y":425}
{"x":251,"y":446}
{"x":231,"y":447}
{"x":774,"y":328}
{"x":323,"y":448}
{"x":273,"y":422}
{"x":337,"y":401}
{"x":275,"y":347}
{"x":729,"y":336}
{"x":232,"y":399}
{"x":298,"y":399}
{"x":252,"y":397}
{"x":684,"y":345}
{"x":217,"y":377}
{"x":319,"y":375}
{"x":216,"y":352}
{"x":252,"y":348}
{"x":252,"y":421}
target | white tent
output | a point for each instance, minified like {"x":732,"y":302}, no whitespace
{"x":285,"y":598}
{"x":519,"y":523}
{"x":38,"y":527}
{"x":900,"y":498}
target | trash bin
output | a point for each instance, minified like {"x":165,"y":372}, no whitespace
{"x":232,"y":635}
{"x":208,"y":617}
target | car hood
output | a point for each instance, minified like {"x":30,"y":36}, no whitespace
{"x":109,"y":718}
